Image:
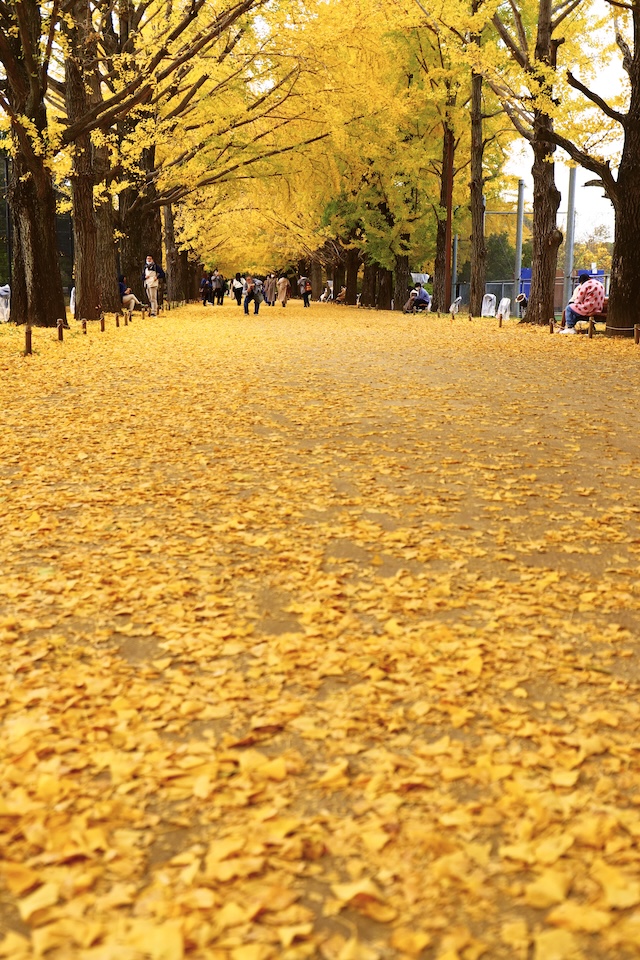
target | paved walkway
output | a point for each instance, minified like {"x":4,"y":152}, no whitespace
{"x":320,"y":639}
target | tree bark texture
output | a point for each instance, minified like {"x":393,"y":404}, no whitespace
{"x":316,"y":279}
{"x":441,"y":296}
{"x":37,"y":296}
{"x":625,"y":263}
{"x":546,"y":236}
{"x":402,"y":281}
{"x":88,"y":306}
{"x":369,"y":282}
{"x":338,"y":277}
{"x":141,"y":227}
{"x":175,"y":265}
{"x":546,"y":197}
{"x":385,"y":288}
{"x":352,"y":268}
{"x":476,"y":203}
{"x":106,"y":263}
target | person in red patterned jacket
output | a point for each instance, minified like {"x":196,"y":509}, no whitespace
{"x":588,"y":299}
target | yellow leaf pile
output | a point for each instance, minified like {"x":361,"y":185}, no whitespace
{"x":314,"y":644}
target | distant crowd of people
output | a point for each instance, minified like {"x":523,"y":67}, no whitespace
{"x":249,"y":289}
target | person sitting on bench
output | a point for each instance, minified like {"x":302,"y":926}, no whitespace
{"x":587,"y":301}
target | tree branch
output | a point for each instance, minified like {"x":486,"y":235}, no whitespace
{"x":520,"y":56}
{"x":599,"y":102}
{"x":599,"y":167}
{"x":561,"y":11}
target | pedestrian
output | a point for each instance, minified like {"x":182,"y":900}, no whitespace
{"x":222,"y":286}
{"x":205,"y":289}
{"x":217,"y":287}
{"x":270,"y":289}
{"x":306,"y":293}
{"x":152,"y":274}
{"x":258,"y":294}
{"x":128,"y":298}
{"x":237,"y":286}
{"x":250,"y":295}
{"x":284,"y":290}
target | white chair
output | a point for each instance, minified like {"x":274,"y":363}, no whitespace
{"x":504,"y":308}
{"x":455,"y":306}
{"x":488,"y":305}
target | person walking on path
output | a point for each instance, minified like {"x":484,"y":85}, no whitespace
{"x":588,"y":299}
{"x":306,"y":291}
{"x":270,"y":289}
{"x":152,"y":274}
{"x":205,"y":289}
{"x":284,"y":290}
{"x":217,"y":287}
{"x":237,"y":286}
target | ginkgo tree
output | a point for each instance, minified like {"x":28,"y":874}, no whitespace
{"x":32,"y":45}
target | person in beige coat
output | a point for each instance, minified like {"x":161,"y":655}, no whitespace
{"x":284,"y":290}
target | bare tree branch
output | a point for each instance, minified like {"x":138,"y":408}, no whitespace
{"x":599,"y":102}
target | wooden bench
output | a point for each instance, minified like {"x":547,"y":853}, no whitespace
{"x":597,"y":317}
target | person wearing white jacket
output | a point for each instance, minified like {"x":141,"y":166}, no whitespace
{"x":152,"y":274}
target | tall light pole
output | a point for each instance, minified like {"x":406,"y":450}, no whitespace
{"x":519,"y":227}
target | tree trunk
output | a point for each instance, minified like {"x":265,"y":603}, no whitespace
{"x":546,"y":196}
{"x":338,"y":278}
{"x":369,"y":280}
{"x":546,"y":236}
{"x":353,"y":265}
{"x":176,"y":286}
{"x":141,"y":228}
{"x":476,"y":204}
{"x":316,"y":279}
{"x":107,"y":267}
{"x":441,"y":296}
{"x":402,"y":281}
{"x":439,"y":269}
{"x":82,"y":175}
{"x":622,"y":313}
{"x":625,"y":263}
{"x":385,"y":289}
{"x":36,"y":297}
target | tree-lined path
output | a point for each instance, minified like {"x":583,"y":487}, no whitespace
{"x":319,"y":639}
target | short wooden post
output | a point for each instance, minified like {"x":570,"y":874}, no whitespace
{"x":102,"y":323}
{"x":27,"y":341}
{"x":499,"y":320}
{"x":117,"y":319}
{"x":551,"y":326}
{"x":636,"y":333}
{"x":84,"y":326}
{"x":126,"y":318}
{"x":591,"y":328}
{"x":61,"y":330}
